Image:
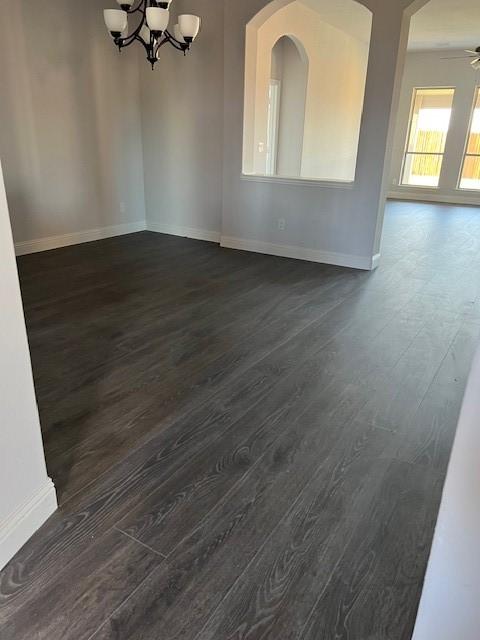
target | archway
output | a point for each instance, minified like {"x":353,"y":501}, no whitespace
{"x":286,"y":108}
{"x":326,"y":46}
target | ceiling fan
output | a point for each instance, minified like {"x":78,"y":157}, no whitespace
{"x":475,"y":55}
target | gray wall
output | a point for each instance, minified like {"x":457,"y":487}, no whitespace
{"x":429,"y":69}
{"x":70,"y":138}
{"x":182,"y":115}
{"x":340,"y":223}
{"x":73,"y":153}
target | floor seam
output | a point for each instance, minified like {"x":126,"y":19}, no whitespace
{"x":158,"y":553}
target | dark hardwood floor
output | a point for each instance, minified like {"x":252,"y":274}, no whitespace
{"x":244,"y":447}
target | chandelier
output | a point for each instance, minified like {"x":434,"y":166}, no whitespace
{"x":151,"y":30}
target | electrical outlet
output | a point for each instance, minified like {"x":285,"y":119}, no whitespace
{"x":282,"y":224}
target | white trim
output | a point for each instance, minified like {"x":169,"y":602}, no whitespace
{"x":421,"y":196}
{"x":376,"y":261}
{"x":78,"y":237}
{"x":28,"y":518}
{"x":300,"y":253}
{"x":300,"y":182}
{"x":184,"y":232}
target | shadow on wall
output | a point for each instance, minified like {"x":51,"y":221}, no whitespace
{"x":306,"y":66}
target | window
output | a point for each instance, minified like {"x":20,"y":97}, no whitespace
{"x":427,"y":135}
{"x":470,"y":177}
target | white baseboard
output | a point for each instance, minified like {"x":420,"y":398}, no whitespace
{"x":376,"y":261}
{"x":184,"y":232}
{"x":28,"y":518}
{"x":299,"y":253}
{"x":68,"y":239}
{"x":420,"y":196}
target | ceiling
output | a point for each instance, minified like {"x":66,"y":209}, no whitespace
{"x":441,"y":24}
{"x":350,"y":17}
{"x":446,"y":24}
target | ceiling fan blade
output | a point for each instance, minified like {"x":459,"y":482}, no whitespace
{"x":458,"y":57}
{"x":470,"y":51}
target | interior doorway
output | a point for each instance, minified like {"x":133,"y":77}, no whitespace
{"x":436,"y":149}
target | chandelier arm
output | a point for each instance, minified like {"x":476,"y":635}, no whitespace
{"x":142,"y":8}
{"x":144,"y":44}
{"x":172,"y":38}
{"x":139,"y":7}
{"x":180,"y":46}
{"x":159,"y":44}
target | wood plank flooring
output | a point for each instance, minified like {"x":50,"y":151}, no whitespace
{"x":245,"y":447}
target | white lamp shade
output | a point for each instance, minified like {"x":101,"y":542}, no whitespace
{"x":189,"y":25}
{"x":145,"y":34}
{"x":129,"y":2}
{"x":116,"y":20}
{"x":177,"y":34}
{"x":157,"y":18}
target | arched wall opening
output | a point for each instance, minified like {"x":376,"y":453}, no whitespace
{"x":332,"y":44}
{"x":286,"y":108}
